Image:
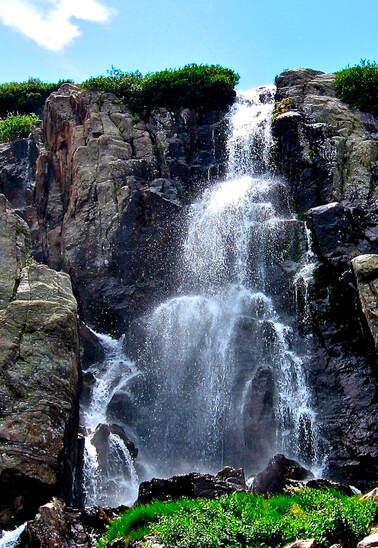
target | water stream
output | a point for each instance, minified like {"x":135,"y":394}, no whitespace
{"x":218,"y":377}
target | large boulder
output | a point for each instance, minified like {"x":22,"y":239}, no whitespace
{"x":38,"y":376}
{"x":56,"y":525}
{"x":275,"y":477}
{"x":192,"y":485}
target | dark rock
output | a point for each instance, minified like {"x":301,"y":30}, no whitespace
{"x":328,"y":484}
{"x":328,"y":154}
{"x":57,"y":525}
{"x":109,"y":194}
{"x":120,"y":408}
{"x":279,"y":470}
{"x":192,"y":485}
{"x":91,"y":350}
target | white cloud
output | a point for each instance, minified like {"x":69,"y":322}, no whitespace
{"x":48,"y":22}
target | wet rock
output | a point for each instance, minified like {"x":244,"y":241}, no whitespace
{"x":328,"y":154}
{"x":38,"y":377}
{"x":58,"y":526}
{"x":120,"y":408}
{"x":91,"y":350}
{"x":100,"y":440}
{"x":192,"y":485}
{"x":328,"y":484}
{"x":369,"y":542}
{"x":280,"y":469}
{"x":366,"y":271}
{"x":109,"y":196}
{"x":259,"y":416}
{"x":234,"y":476}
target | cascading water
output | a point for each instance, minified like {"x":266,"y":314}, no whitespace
{"x":109,"y":474}
{"x":219,"y":376}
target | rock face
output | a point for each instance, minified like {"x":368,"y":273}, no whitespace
{"x":328,"y":153}
{"x":109,"y":194}
{"x":38,"y":374}
{"x":58,"y":526}
{"x":193,"y":485}
{"x":275,"y":476}
{"x":366,"y":270}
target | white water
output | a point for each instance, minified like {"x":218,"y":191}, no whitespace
{"x":200,"y":353}
{"x":117,"y":482}
{"x":11,"y":538}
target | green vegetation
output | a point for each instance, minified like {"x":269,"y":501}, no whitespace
{"x":283,"y":106}
{"x":15,"y":126}
{"x":358,"y":86}
{"x":25,"y":97}
{"x":204,"y":87}
{"x":246,"y":520}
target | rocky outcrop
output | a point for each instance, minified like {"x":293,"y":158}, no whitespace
{"x":328,"y":154}
{"x":193,"y":485}
{"x":109,"y":194}
{"x":366,"y":270}
{"x":57,"y":525}
{"x":38,"y":374}
{"x":274,"y":478}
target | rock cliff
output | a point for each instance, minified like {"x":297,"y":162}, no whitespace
{"x":38,"y":374}
{"x":328,"y":153}
{"x":102,"y":192}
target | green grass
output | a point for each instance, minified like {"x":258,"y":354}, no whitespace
{"x":15,"y":126}
{"x":205,"y":87}
{"x":25,"y":97}
{"x":358,"y":86}
{"x":246,"y":520}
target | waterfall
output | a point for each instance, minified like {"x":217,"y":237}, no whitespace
{"x":219,"y":373}
{"x":109,"y":475}
{"x":11,"y":539}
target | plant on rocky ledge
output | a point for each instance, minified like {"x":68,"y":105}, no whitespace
{"x":358,"y":86}
{"x":247,"y":520}
{"x":205,"y":87}
{"x":25,"y":97}
{"x":15,"y":126}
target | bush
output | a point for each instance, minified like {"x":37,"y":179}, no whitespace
{"x":15,"y":126}
{"x":204,"y":87}
{"x":25,"y":97}
{"x":247,"y":520}
{"x":358,"y":86}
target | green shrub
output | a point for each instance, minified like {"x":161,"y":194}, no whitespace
{"x":15,"y":126}
{"x":358,"y":86}
{"x":203,"y":87}
{"x":25,"y":97}
{"x":247,"y":520}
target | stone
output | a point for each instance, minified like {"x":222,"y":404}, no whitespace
{"x":39,"y":353}
{"x":274,"y":477}
{"x":365,"y":268}
{"x":373,"y":494}
{"x":192,"y":485}
{"x":109,"y":195}
{"x":148,"y":542}
{"x":308,"y":543}
{"x":369,"y":542}
{"x":329,"y":484}
{"x":58,"y":526}
{"x":327,"y":153}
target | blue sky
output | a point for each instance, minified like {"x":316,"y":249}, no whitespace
{"x":54,"y":39}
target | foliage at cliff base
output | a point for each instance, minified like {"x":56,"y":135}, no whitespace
{"x":247,"y":520}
